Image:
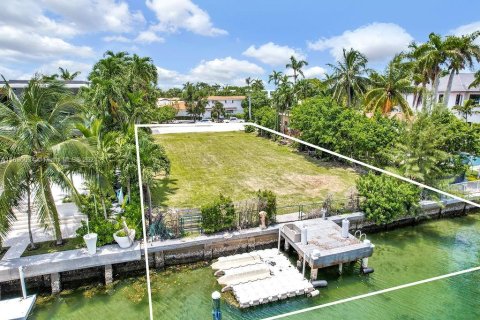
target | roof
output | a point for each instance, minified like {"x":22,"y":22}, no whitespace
{"x":24,"y":83}
{"x":220,"y":98}
{"x":460,"y":83}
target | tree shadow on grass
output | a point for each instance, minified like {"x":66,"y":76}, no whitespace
{"x":330,"y":163}
{"x":164,"y":188}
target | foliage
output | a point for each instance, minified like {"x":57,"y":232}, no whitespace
{"x":37,"y":130}
{"x":467,"y":109}
{"x":249,"y":129}
{"x":266,"y":117}
{"x":218,"y":110}
{"x":386,"y":198}
{"x":323,"y":122}
{"x":219,"y":215}
{"x":348,"y":80}
{"x":267,"y":201}
{"x":164,"y":114}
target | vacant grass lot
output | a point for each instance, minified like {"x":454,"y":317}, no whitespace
{"x":237,"y":164}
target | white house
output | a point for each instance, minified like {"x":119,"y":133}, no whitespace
{"x":231,"y":104}
{"x":459,"y":93}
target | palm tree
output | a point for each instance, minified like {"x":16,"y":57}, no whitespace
{"x":296,"y":66}
{"x":467,"y":109}
{"x":39,"y":124}
{"x":389,"y":89}
{"x":218,"y":110}
{"x":476,"y":81}
{"x":66,"y":75}
{"x":275,"y":77}
{"x":462,"y":52}
{"x":420,"y":74}
{"x":348,"y":79}
{"x":101,"y":174}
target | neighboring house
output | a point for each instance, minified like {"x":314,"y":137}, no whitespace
{"x":459,"y":94}
{"x":19,"y":85}
{"x":232,"y":105}
{"x":178,"y":104}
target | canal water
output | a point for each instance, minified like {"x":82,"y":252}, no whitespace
{"x":401,"y":256}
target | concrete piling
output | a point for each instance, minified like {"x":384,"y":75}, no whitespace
{"x":108,"y":274}
{"x":55,"y":283}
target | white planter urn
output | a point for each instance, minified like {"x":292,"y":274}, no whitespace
{"x":125,"y":242}
{"x":91,"y":242}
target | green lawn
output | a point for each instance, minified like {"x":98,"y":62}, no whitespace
{"x":237,"y":164}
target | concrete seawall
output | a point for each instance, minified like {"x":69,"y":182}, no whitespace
{"x":69,"y":269}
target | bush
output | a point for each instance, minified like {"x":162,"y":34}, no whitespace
{"x":219,"y":215}
{"x":387,"y":198}
{"x":267,"y":201}
{"x":249,"y":129}
{"x":103,"y":228}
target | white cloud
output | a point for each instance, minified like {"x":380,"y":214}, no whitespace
{"x":223,"y":71}
{"x":173,"y":15}
{"x":94,"y":15}
{"x":70,"y":65}
{"x":17,"y":44}
{"x":378,"y":41}
{"x":116,"y":39}
{"x":148,"y":36}
{"x":467,"y":29}
{"x":273,"y":54}
{"x":314,"y":72}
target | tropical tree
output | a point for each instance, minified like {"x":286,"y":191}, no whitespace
{"x":462,"y":52}
{"x":348,"y":79}
{"x":101,"y":173}
{"x":195,"y":99}
{"x":476,"y":81}
{"x":218,"y":110}
{"x":389,"y":89}
{"x":296,"y":66}
{"x":419,"y":155}
{"x":66,"y":75}
{"x":275,"y":77}
{"x":467,"y":109}
{"x":39,"y":127}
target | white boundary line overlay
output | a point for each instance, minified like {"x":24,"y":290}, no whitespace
{"x":235,"y":127}
{"x":370,"y":294}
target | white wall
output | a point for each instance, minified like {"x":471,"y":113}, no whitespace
{"x":230,"y":106}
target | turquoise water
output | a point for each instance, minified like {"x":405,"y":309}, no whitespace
{"x":401,"y":256}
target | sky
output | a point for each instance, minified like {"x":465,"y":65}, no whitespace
{"x":218,"y":41}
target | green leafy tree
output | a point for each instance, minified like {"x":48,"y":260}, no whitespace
{"x":66,"y":75}
{"x":38,"y":125}
{"x":390,"y":89}
{"x":195,"y":99}
{"x":467,"y":109}
{"x":348,"y":79}
{"x":385,"y":198}
{"x":296,"y":66}
{"x":462,"y":52}
{"x":218,"y":110}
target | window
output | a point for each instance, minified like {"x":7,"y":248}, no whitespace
{"x":475,"y":97}
{"x":440,"y":98}
{"x":458,"y":100}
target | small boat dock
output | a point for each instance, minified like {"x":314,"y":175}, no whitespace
{"x":322,"y":243}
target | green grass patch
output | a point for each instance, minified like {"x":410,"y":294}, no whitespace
{"x":51,"y":246}
{"x":238,"y":164}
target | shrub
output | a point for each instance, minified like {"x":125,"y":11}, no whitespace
{"x":267,"y":201}
{"x":387,"y":198}
{"x":103,"y":228}
{"x":219,"y":215}
{"x":249,"y":129}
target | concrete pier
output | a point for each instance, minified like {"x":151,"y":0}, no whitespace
{"x":17,"y":308}
{"x":324,"y":245}
{"x":159,"y":259}
{"x":108,"y":274}
{"x":55,"y":283}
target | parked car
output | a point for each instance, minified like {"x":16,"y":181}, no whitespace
{"x":206,"y":120}
{"x":234,"y":119}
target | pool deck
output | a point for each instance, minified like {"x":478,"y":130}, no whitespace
{"x":17,"y":308}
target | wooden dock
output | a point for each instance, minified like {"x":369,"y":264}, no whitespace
{"x":325,"y":246}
